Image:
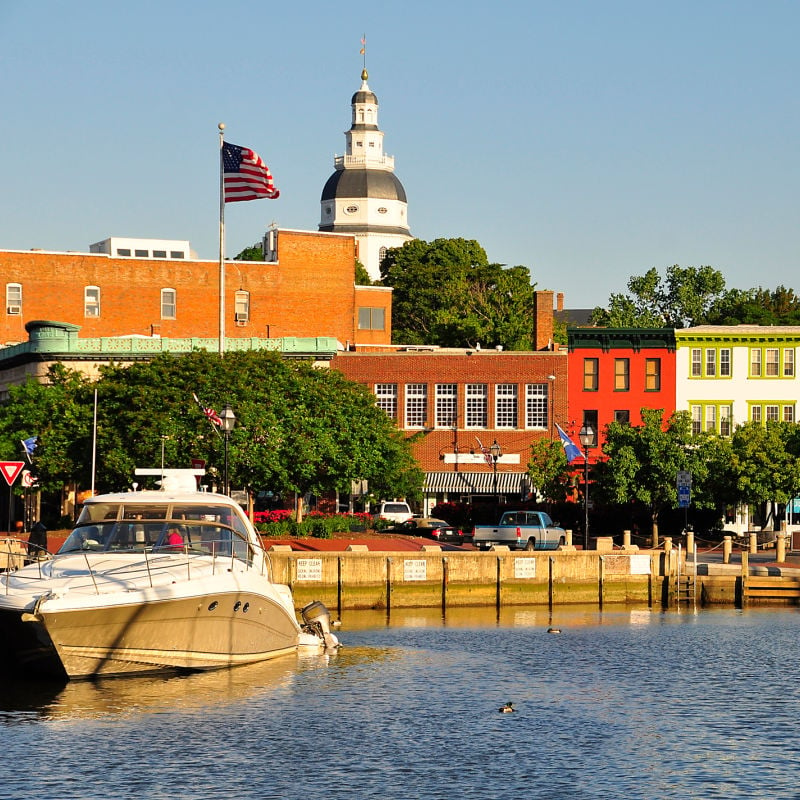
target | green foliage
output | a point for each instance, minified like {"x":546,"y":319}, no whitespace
{"x":641,"y":461}
{"x":756,"y":307}
{"x":683,"y":298}
{"x":549,"y":470}
{"x":254,"y":253}
{"x":447,"y":293}
{"x":362,"y":276}
{"x":299,"y":429}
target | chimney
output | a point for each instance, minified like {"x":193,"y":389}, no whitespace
{"x":543,"y":319}
{"x":560,"y":301}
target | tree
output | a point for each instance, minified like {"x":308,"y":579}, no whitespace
{"x":550,"y":471}
{"x":766,"y":464}
{"x":299,"y":429}
{"x":447,"y":293}
{"x":362,"y":276}
{"x":682,"y":299}
{"x":756,"y":307}
{"x":254,"y":253}
{"x":641,"y":462}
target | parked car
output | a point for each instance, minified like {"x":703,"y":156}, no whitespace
{"x":394,"y":511}
{"x":436,"y":529}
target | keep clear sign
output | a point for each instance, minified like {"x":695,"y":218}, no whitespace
{"x":524,"y":567}
{"x":309,"y":569}
{"x":415,"y":569}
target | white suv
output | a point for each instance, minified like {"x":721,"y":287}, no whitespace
{"x":394,"y":511}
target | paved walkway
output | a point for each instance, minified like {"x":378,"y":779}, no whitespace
{"x":760,"y":563}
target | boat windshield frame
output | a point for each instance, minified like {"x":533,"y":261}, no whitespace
{"x":127,"y":527}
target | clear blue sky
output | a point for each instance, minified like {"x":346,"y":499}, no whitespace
{"x":588,"y":141}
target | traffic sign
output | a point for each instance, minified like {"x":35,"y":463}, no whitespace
{"x":684,"y":478}
{"x":684,"y":496}
{"x":28,"y":479}
{"x":11,"y":470}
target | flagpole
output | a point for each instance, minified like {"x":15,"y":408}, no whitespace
{"x":221,"y":127}
{"x":94,"y":440}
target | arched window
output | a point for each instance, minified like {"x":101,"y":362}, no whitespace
{"x":242,"y":307}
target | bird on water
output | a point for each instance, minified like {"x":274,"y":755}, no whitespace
{"x":508,"y":708}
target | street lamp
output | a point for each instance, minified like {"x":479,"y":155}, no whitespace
{"x":586,"y":436}
{"x":496,"y":451}
{"x":227,"y":421}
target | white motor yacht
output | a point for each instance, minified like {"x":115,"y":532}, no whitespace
{"x":151,"y":581}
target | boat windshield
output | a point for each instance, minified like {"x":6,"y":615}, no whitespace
{"x":120,"y":527}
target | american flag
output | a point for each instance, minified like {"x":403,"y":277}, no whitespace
{"x":246,"y":176}
{"x":211,"y":415}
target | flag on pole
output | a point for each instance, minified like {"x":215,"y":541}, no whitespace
{"x":363,"y":44}
{"x":246,"y":176}
{"x":487,"y":453}
{"x":571,"y":450}
{"x":29,"y":445}
{"x":209,"y":412}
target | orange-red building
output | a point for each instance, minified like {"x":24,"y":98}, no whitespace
{"x":305,"y":288}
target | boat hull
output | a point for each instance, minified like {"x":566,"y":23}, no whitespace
{"x":208,"y":631}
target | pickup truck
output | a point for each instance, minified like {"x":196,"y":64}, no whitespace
{"x":521,"y":530}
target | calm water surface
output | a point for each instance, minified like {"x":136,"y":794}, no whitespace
{"x":622,"y":704}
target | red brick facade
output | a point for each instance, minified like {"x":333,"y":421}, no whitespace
{"x":308,"y":291}
{"x":436,"y":447}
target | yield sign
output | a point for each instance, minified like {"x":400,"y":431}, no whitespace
{"x":10,"y":470}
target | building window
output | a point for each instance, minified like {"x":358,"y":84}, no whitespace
{"x":711,"y":418}
{"x":177,"y":254}
{"x":505,"y":405}
{"x":725,"y":420}
{"x":13,"y":298}
{"x":123,"y":251}
{"x":623,"y":416}
{"x":371,"y":319}
{"x":386,"y":398}
{"x":788,"y":363}
{"x":168,"y":303}
{"x":755,"y":414}
{"x":382,"y":254}
{"x":159,"y":253}
{"x":725,"y":362}
{"x":697,"y":363}
{"x":771,"y":413}
{"x":537,"y":405}
{"x":590,"y":418}
{"x":416,"y":405}
{"x":476,"y":410}
{"x":91,"y":301}
{"x":446,"y":405}
{"x":241,"y":307}
{"x":142,"y":253}
{"x":772,"y":362}
{"x":590,"y":375}
{"x":622,"y":374}
{"x":697,"y":420}
{"x":652,"y":374}
{"x":788,"y":413}
{"x":711,"y":363}
{"x":755,"y":363}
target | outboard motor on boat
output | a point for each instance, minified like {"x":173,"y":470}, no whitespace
{"x":317,"y":621}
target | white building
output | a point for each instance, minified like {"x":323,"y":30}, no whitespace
{"x":727,"y":375}
{"x":364,"y":197}
{"x":122,"y":247}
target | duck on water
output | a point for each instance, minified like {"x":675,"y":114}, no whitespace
{"x":148,"y":581}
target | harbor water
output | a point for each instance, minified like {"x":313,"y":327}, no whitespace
{"x":633,"y":703}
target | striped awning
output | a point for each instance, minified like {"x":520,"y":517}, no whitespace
{"x":476,"y":482}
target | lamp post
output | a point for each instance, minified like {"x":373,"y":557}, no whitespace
{"x":227,"y":421}
{"x":586,"y":435}
{"x":496,"y":452}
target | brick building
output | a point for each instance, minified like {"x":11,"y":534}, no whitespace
{"x":305,"y":288}
{"x":454,"y":402}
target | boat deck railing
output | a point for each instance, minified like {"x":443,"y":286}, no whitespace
{"x":158,"y":563}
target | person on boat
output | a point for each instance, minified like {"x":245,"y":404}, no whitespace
{"x":174,"y":539}
{"x":37,"y":541}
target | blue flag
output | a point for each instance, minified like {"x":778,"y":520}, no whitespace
{"x":29,"y":445}
{"x":571,"y":450}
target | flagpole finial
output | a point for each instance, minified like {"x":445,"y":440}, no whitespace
{"x":221,"y":126}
